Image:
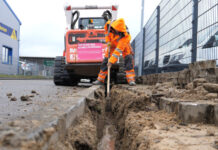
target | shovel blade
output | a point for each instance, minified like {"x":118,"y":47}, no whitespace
{"x":108,"y":104}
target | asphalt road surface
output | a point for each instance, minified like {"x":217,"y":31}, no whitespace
{"x":38,"y":93}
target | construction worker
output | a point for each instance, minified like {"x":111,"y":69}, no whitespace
{"x":119,"y":42}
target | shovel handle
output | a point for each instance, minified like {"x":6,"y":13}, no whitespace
{"x":108,"y":82}
{"x":108,"y":69}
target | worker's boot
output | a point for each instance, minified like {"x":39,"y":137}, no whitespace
{"x":97,"y":82}
{"x":132,"y":83}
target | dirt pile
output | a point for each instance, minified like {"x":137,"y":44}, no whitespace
{"x":134,"y":112}
{"x":142,"y":126}
{"x":84,"y":134}
{"x":199,"y":89}
{"x":136,"y":123}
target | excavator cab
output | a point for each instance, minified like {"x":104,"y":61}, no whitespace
{"x":91,"y":23}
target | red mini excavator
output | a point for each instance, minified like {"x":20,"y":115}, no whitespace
{"x":85,"y":46}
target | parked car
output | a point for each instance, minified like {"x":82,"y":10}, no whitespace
{"x":173,"y":63}
{"x":179,"y":59}
{"x":207,"y":46}
{"x":149,"y":67}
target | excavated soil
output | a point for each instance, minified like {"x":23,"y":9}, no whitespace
{"x":197,"y":90}
{"x":87,"y":131}
{"x":135,"y":123}
{"x":142,"y":126}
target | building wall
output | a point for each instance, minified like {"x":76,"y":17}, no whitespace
{"x":7,"y":18}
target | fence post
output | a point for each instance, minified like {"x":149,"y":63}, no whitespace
{"x":143,"y":50}
{"x":133,"y":46}
{"x":158,"y":37}
{"x":194,"y":31}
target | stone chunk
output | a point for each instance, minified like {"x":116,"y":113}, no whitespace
{"x":13,"y":99}
{"x":207,"y":64}
{"x":190,"y":86}
{"x":33,"y":91}
{"x":211,"y":87}
{"x":9,"y":94}
{"x":203,"y":65}
{"x":25,"y":98}
{"x":211,"y":96}
{"x":198,"y":82}
{"x":210,"y":132}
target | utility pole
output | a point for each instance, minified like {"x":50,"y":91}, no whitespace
{"x":143,"y":36}
{"x":194,"y":31}
{"x":142,"y":15}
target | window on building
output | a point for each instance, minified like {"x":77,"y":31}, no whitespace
{"x":6,"y":55}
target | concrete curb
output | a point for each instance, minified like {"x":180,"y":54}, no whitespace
{"x":187,"y":111}
{"x":191,"y":111}
{"x":53,"y":131}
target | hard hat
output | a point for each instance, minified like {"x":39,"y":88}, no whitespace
{"x":119,"y":25}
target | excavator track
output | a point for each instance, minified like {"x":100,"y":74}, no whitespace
{"x":61,"y":75}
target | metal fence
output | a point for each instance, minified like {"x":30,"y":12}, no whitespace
{"x":138,"y":48}
{"x":177,"y":33}
{"x":36,"y":66}
{"x":150,"y":43}
{"x":28,"y":66}
{"x":207,"y":42}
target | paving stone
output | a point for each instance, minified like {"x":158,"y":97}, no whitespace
{"x":199,"y":82}
{"x":191,"y":112}
{"x":169,"y":105}
{"x":216,"y":114}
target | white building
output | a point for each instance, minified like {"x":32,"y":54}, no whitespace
{"x":9,"y":39}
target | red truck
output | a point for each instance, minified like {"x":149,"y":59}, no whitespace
{"x":85,"y":46}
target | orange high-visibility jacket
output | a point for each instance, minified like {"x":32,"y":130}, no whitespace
{"x":107,"y":36}
{"x":118,"y":45}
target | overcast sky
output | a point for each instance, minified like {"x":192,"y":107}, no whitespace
{"x":44,"y":23}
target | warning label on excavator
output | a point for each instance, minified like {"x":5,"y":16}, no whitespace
{"x":8,"y":31}
{"x":89,"y":51}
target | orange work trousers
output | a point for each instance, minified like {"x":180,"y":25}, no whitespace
{"x":129,"y":69}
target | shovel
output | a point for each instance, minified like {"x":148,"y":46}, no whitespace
{"x":108,"y":81}
{"x":108,"y":100}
